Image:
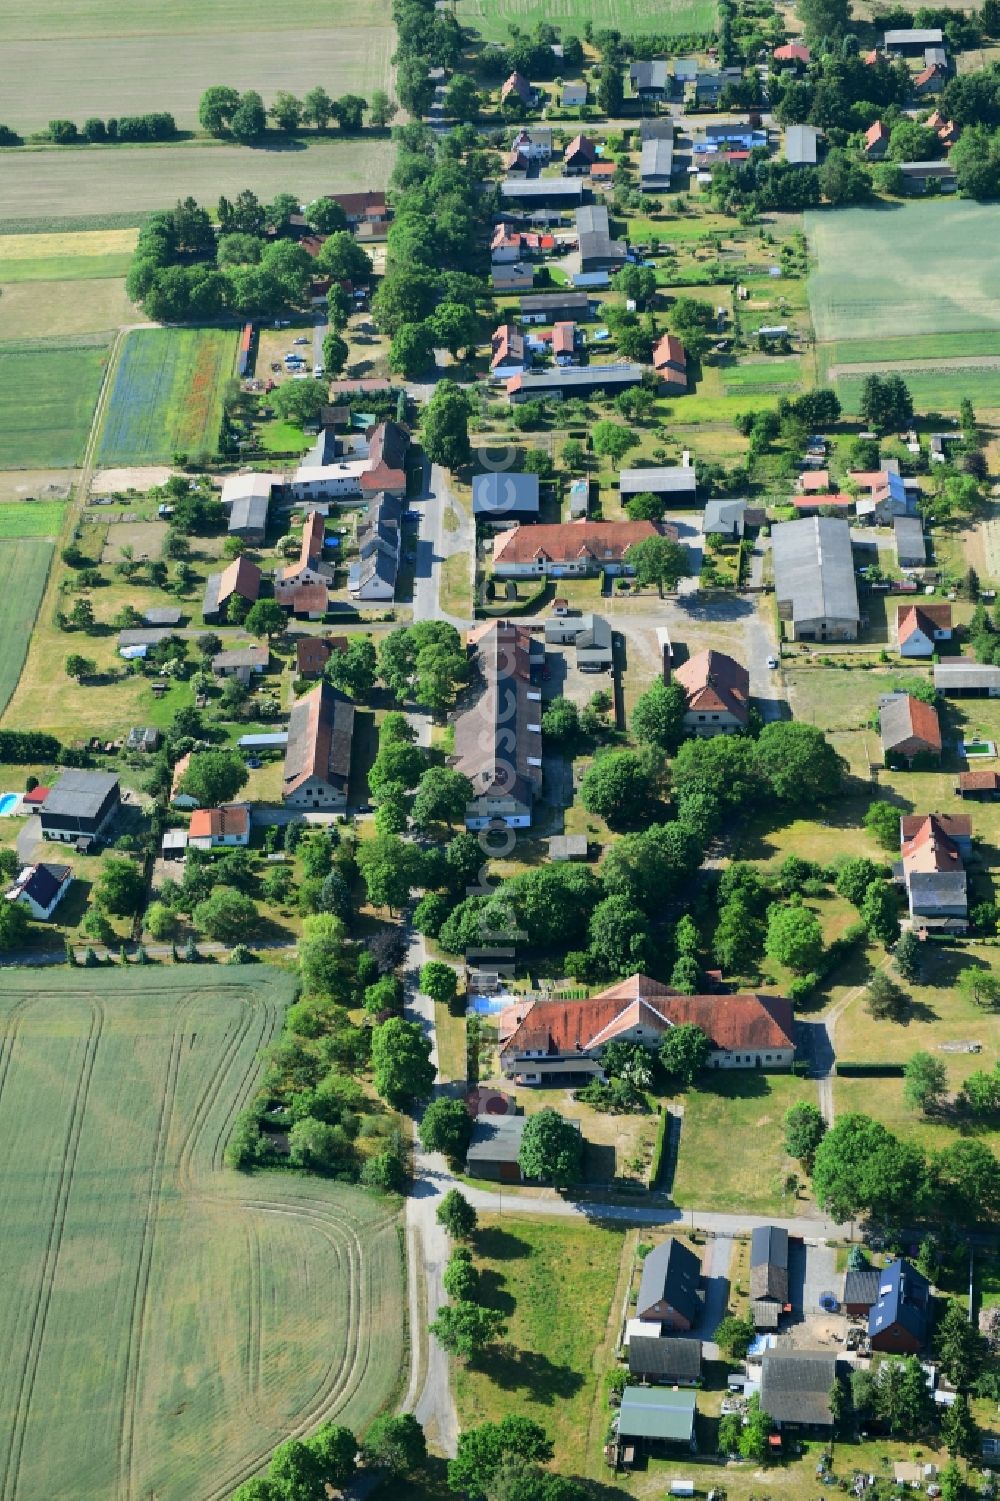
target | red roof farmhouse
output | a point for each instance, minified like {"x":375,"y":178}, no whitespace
{"x":571,"y":548}
{"x":553,"y":1038}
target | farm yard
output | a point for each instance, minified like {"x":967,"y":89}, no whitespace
{"x":48,"y":391}
{"x":167,"y":394}
{"x":493,"y":18}
{"x":59,"y":65}
{"x":166,"y":1321}
{"x":97,"y":183}
{"x":24,"y":567}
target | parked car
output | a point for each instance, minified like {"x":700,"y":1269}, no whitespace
{"x":303,"y":340}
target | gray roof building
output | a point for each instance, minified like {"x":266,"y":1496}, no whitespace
{"x":911,"y":548}
{"x":597,"y":249}
{"x":573,"y":94}
{"x":656,"y":162}
{"x":801,"y":145}
{"x":554,"y":190}
{"x":80,"y":793}
{"x":724,"y":518}
{"x":568,"y":847}
{"x":653,"y":127}
{"x":795,"y":1387}
{"x":248,"y":516}
{"x":575,"y":380}
{"x":241,"y":658}
{"x":162,"y":615}
{"x":669,"y":1284}
{"x":151,"y":637}
{"x":861,"y":1287}
{"x":497,"y":495}
{"x":914,"y":36}
{"x":556,"y":306}
{"x":494,"y":1147}
{"x":769,"y":1263}
{"x":650,"y":77}
{"x":814,"y":578}
{"x":967,"y":677}
{"x":665,"y":1358}
{"x":679,"y":482}
{"x":498,"y":728}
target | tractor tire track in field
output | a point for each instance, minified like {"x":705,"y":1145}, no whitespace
{"x":43,"y":1298}
{"x":255,"y":1293}
{"x":9,"y":1039}
{"x":337,"y":1385}
{"x":140,"y":1294}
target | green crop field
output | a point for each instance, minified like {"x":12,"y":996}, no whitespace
{"x":899,"y":351}
{"x":58,"y":62}
{"x":919,"y":268}
{"x":48,"y":391}
{"x":493,"y":18}
{"x":30,"y":518}
{"x":166,"y":1321}
{"x":104,"y":183}
{"x":24,"y":567}
{"x":167,"y":394}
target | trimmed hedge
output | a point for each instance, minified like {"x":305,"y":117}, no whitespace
{"x":868,"y":1070}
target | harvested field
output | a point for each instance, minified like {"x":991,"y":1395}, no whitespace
{"x":164,"y":58}
{"x":48,"y":391}
{"x":923,"y":267}
{"x":493,"y":18}
{"x":165,"y":1321}
{"x":47,"y":484}
{"x":167,"y":394}
{"x":24,"y":567}
{"x":131,"y":179}
{"x":35,"y":309}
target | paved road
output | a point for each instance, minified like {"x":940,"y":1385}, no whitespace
{"x":428,"y":1395}
{"x":435,"y":543}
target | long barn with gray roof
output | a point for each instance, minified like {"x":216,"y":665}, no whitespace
{"x":814,"y":579}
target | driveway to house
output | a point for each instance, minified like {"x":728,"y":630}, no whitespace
{"x":718,"y":1256}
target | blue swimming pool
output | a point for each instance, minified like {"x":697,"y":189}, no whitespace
{"x":9,"y":801}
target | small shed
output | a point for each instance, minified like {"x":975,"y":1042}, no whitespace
{"x":494,"y":1148}
{"x":568,"y":847}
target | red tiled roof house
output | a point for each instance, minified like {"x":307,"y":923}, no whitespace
{"x":553,"y":1039}
{"x":718,"y":694}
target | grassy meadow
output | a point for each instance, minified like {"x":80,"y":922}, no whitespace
{"x":59,"y":62}
{"x":48,"y":391}
{"x":167,"y":394}
{"x":24,"y":567}
{"x":165,"y":1321}
{"x":555,"y":1282}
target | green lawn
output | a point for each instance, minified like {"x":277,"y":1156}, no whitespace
{"x":772,"y":374}
{"x":555,"y":1283}
{"x":24,"y":567}
{"x":48,"y":391}
{"x":167,"y":394}
{"x":166,"y":1321}
{"x":731,"y":1153}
